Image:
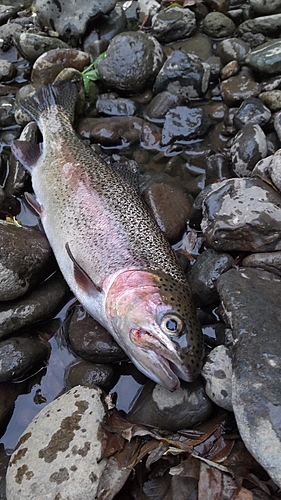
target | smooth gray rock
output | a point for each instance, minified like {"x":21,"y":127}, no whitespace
{"x":242,"y":214}
{"x":274,"y":168}
{"x":217,"y":371}
{"x":252,"y":110}
{"x":266,"y":58}
{"x":251,"y":302}
{"x":20,"y":356}
{"x":266,"y":6}
{"x":173,"y":24}
{"x":265,"y":25}
{"x":249,"y":146}
{"x":268,"y":261}
{"x":183,"y":124}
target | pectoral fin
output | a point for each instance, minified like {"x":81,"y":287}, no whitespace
{"x":81,"y":277}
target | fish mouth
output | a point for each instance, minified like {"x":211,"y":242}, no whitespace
{"x":167,"y":364}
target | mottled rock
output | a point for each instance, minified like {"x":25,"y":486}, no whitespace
{"x":20,"y":356}
{"x":91,"y":341}
{"x":184,"y":70}
{"x":7,"y":111}
{"x":266,"y":6}
{"x":159,"y":106}
{"x":89,"y":374}
{"x":251,"y":301}
{"x":249,"y":146}
{"x":132,"y":61}
{"x":268,"y":261}
{"x":274,"y":169}
{"x":173,"y":24}
{"x":183,"y":123}
{"x":232,"y":49}
{"x":264,"y":25}
{"x":218,"y":25}
{"x":266,"y":58}
{"x":217,"y":371}
{"x":272,"y":99}
{"x":118,"y":106}
{"x":251,"y":110}
{"x":40,"y":304}
{"x":7,"y":70}
{"x":229,"y":70}
{"x":70,"y":20}
{"x":47,"y":67}
{"x":242,"y":214}
{"x":277,"y":124}
{"x":24,"y":256}
{"x":158,"y":407}
{"x":237,"y":88}
{"x":32,"y":45}
{"x":204,"y":274}
{"x":58,"y":456}
{"x":170,"y":207}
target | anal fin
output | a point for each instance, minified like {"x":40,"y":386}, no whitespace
{"x":27,"y":152}
{"x":81,"y":277}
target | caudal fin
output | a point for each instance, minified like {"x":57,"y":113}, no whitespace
{"x":62,"y":93}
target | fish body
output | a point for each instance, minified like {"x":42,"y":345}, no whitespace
{"x":110,"y":250}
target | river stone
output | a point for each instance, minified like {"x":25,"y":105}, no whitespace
{"x":24,"y":256}
{"x":32,"y":45}
{"x":204,"y":274}
{"x":89,"y":374}
{"x":232,"y":49}
{"x":251,"y":301}
{"x":264,"y":25}
{"x":70,"y":19}
{"x":217,"y":371}
{"x":158,"y":407}
{"x":7,"y":70}
{"x":21,"y":356}
{"x":269,"y":261}
{"x":170,"y":207}
{"x":272,"y":99}
{"x":266,"y":58}
{"x":249,"y":146}
{"x":159,"y":106}
{"x":185,"y":70}
{"x":218,"y":25}
{"x":274,"y":169}
{"x":133,"y":59}
{"x":173,"y":24}
{"x":266,"y":6}
{"x":251,"y":110}
{"x":114,"y":105}
{"x":47,"y":67}
{"x":58,"y":456}
{"x":237,"y":88}
{"x":7,"y":111}
{"x":8,"y":395}
{"x":183,"y":124}
{"x":242,"y":214}
{"x":40,"y":304}
{"x":91,"y":341}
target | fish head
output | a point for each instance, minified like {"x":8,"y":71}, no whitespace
{"x":154,"y":320}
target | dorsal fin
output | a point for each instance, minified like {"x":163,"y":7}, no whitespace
{"x":27,"y":152}
{"x":81,"y":277}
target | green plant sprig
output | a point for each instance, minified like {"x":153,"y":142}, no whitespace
{"x":90,"y":74}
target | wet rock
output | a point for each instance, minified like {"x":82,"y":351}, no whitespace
{"x":118,"y":106}
{"x":251,"y":110}
{"x":272,"y":99}
{"x":47,"y":67}
{"x":266,"y":6}
{"x":277,"y":124}
{"x":268,"y":261}
{"x":261,"y":169}
{"x":242,"y":214}
{"x":156,"y":406}
{"x":204,"y":274}
{"x":21,"y":356}
{"x":266,"y":58}
{"x":7,"y":70}
{"x":170,"y":207}
{"x":8,"y":394}
{"x":183,"y":123}
{"x":251,"y":301}
{"x":7,"y":111}
{"x":214,"y":333}
{"x":218,"y":168}
{"x":106,"y":28}
{"x":264,"y":25}
{"x":24,"y":255}
{"x":217,"y":371}
{"x":239,"y":87}
{"x":160,"y":105}
{"x":173,"y":24}
{"x":184,"y":70}
{"x":70,"y":20}
{"x":147,"y":8}
{"x":249,"y":146}
{"x":41,"y":304}
{"x":218,"y":25}
{"x":229,"y":70}
{"x":32,"y":45}
{"x":91,"y":341}
{"x":232,"y":49}
{"x":60,"y":451}
{"x":274,"y":169}
{"x":89,"y":374}
{"x":18,"y":177}
{"x":133,"y":59}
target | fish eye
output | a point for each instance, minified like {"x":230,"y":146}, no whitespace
{"x":171,"y":325}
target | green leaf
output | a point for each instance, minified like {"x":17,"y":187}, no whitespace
{"x":90,"y":73}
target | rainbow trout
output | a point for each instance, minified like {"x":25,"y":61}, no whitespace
{"x":110,"y":250}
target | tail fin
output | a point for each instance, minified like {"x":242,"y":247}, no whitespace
{"x":62,"y":93}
